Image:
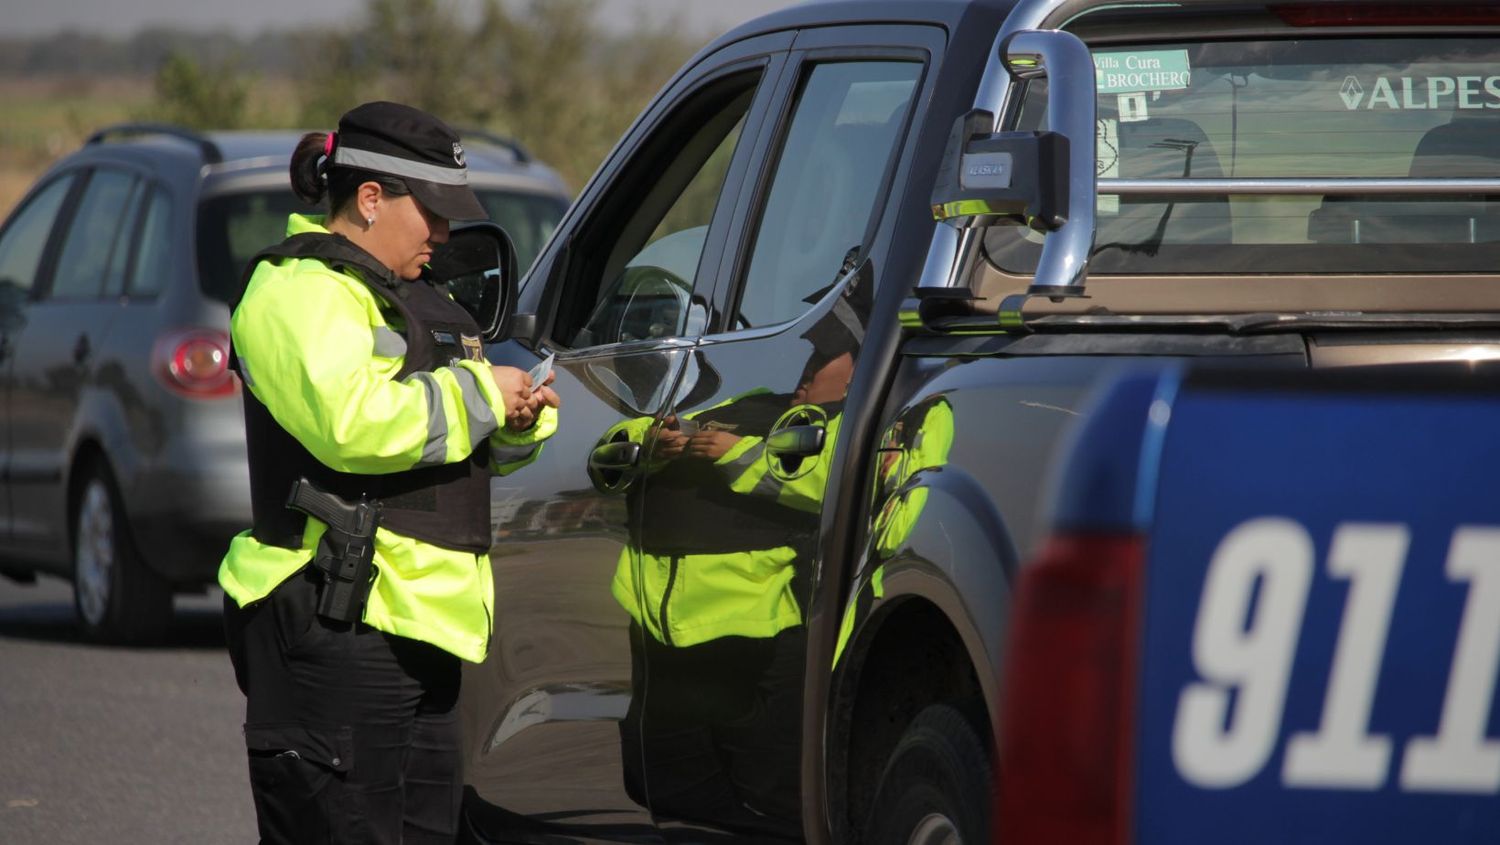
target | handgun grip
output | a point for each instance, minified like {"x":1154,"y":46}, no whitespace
{"x":310,"y":500}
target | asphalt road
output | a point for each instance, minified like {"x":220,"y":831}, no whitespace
{"x":121,"y":745}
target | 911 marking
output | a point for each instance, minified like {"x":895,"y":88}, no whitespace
{"x":1250,"y":655}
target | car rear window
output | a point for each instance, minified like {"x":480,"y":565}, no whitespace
{"x":232,"y":228}
{"x":529,"y":219}
{"x":1404,"y":108}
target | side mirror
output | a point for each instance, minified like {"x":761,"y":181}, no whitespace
{"x":477,"y":266}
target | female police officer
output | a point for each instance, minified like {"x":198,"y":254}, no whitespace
{"x":368,"y":402}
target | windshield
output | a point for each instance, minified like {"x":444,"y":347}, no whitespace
{"x":1320,"y":108}
{"x":232,"y":228}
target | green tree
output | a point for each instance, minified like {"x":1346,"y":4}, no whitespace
{"x":541,"y":71}
{"x":198,"y":97}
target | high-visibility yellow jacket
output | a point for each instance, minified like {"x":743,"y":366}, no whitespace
{"x":722,"y":575}
{"x":924,"y":450}
{"x":316,"y":349}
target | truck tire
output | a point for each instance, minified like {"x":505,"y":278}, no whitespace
{"x":117,"y":598}
{"x":936,"y":787}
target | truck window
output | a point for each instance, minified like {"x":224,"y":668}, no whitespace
{"x":1402,"y":108}
{"x":154,"y":253}
{"x":22,"y":243}
{"x":88,"y":262}
{"x":826,"y":184}
{"x":634,"y":264}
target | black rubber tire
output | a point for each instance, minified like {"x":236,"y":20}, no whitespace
{"x":936,"y":785}
{"x":117,"y":599}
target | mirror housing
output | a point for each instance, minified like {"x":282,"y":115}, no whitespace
{"x":993,"y":177}
{"x":477,"y":266}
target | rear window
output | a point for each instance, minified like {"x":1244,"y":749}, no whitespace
{"x":232,"y":228}
{"x":1314,"y":108}
{"x":529,"y":219}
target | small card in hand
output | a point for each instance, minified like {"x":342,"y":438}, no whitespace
{"x":540,"y":372}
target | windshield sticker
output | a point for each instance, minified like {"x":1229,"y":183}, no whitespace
{"x":1107,"y":142}
{"x":1132,"y":107}
{"x":1150,"y":70}
{"x":1408,"y":93}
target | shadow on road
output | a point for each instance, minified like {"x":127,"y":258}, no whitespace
{"x":55,"y":622}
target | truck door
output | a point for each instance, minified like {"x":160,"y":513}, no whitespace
{"x":731,"y":509}
{"x":25,"y":246}
{"x":620,"y":297}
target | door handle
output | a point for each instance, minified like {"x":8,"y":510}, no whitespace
{"x":618,"y":456}
{"x":81,"y":349}
{"x":797,"y":441}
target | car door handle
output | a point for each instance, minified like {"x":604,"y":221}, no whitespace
{"x":618,"y":456}
{"x":81,"y":349}
{"x":797,"y":441}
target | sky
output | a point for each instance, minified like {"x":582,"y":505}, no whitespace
{"x":246,"y":17}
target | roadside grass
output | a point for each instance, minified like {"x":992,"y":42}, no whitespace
{"x":47,"y":117}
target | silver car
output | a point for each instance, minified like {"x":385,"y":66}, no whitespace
{"x":122,"y":453}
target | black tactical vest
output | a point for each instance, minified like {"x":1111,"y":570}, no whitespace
{"x":446,"y":505}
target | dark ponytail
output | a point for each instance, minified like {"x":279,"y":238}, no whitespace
{"x":307,"y":177}
{"x":314,"y":176}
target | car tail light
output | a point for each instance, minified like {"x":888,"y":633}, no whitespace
{"x":1378,"y":14}
{"x":1069,"y":694}
{"x":195,"y":363}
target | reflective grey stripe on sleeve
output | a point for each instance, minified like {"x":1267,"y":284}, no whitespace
{"x":245,"y":373}
{"x":769,"y":486}
{"x":435,"y":450}
{"x":502,"y":455}
{"x":482,"y":421}
{"x":739,"y":466}
{"x":389,"y":343}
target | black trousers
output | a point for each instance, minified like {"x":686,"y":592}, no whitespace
{"x":352,"y":734}
{"x":714,"y":732}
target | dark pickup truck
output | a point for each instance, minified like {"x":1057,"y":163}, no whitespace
{"x":823,"y":321}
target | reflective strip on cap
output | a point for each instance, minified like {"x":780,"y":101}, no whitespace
{"x":393,"y":166}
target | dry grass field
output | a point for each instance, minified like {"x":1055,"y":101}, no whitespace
{"x":44,"y":118}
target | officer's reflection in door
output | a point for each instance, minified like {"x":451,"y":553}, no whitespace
{"x":718,"y":645}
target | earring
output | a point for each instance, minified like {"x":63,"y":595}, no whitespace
{"x":370,"y":221}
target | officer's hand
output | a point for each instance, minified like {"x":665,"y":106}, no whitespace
{"x":670,"y":443}
{"x":514,"y":384}
{"x":515,"y":390}
{"x":545,"y":395}
{"x":711,"y":444}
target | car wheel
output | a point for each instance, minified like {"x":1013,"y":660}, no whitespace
{"x":936,"y":787}
{"x":117,"y":598}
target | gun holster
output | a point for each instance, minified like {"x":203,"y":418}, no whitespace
{"x":345,"y":555}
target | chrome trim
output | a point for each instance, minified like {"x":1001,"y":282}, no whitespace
{"x":578,"y":702}
{"x":943,"y":268}
{"x":1063,"y":58}
{"x":1296,"y":187}
{"x":1001,"y":96}
{"x":946,"y":261}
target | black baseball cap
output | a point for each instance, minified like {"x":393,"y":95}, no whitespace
{"x":417,"y":148}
